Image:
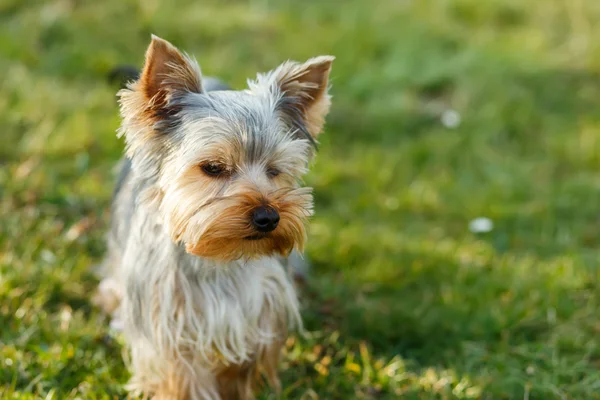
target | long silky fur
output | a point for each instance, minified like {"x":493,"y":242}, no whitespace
{"x":205,"y":310}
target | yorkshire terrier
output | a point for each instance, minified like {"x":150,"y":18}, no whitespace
{"x":208,"y":204}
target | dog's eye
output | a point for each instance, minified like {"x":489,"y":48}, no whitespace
{"x":213,"y":169}
{"x":273,"y":172}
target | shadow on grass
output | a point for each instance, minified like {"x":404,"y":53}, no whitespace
{"x":427,"y":314}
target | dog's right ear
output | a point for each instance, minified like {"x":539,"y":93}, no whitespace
{"x":167,"y":73}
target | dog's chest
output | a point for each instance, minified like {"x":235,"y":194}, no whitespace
{"x":233,"y":313}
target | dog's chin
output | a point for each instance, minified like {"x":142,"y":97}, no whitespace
{"x":257,"y":236}
{"x":249,"y":247}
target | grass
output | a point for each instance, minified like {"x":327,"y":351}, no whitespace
{"x":405,"y":302}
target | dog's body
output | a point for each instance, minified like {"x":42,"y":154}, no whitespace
{"x":207,"y":205}
{"x":226,"y":319}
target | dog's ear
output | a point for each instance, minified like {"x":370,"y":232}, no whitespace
{"x":303,"y":88}
{"x":167,"y":72}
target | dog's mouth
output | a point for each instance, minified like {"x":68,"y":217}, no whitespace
{"x":257,"y":236}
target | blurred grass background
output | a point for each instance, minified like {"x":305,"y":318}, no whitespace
{"x":405,"y":302}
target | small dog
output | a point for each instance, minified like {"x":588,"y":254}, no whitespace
{"x":208,"y":203}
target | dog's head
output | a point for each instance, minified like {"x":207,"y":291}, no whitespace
{"x":227,"y":165}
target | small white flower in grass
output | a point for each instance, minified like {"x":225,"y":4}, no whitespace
{"x":65,"y":317}
{"x":450,"y":119}
{"x":48,"y":256}
{"x":530,"y":370}
{"x":481,"y":225}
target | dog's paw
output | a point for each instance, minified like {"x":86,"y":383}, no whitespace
{"x":108,"y":296}
{"x":116,"y":324}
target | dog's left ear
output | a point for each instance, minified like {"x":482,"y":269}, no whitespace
{"x":167,"y":73}
{"x":305,"y":99}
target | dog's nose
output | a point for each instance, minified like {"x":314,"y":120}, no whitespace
{"x":265,"y":219}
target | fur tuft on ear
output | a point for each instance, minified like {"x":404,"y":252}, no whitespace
{"x":166,"y":73}
{"x":303,"y":90}
{"x":147,"y":104}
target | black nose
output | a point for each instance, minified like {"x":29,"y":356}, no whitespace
{"x":265,"y":219}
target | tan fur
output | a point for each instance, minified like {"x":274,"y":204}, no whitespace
{"x":218,"y":228}
{"x":240,"y":382}
{"x":166,"y":70}
{"x":224,"y":238}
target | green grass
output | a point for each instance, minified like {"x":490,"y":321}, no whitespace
{"x":405,"y":302}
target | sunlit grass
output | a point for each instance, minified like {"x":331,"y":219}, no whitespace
{"x":404,"y":301}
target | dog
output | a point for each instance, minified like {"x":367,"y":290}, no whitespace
{"x":208,"y":204}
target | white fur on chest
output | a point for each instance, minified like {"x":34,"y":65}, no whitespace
{"x":215,"y":314}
